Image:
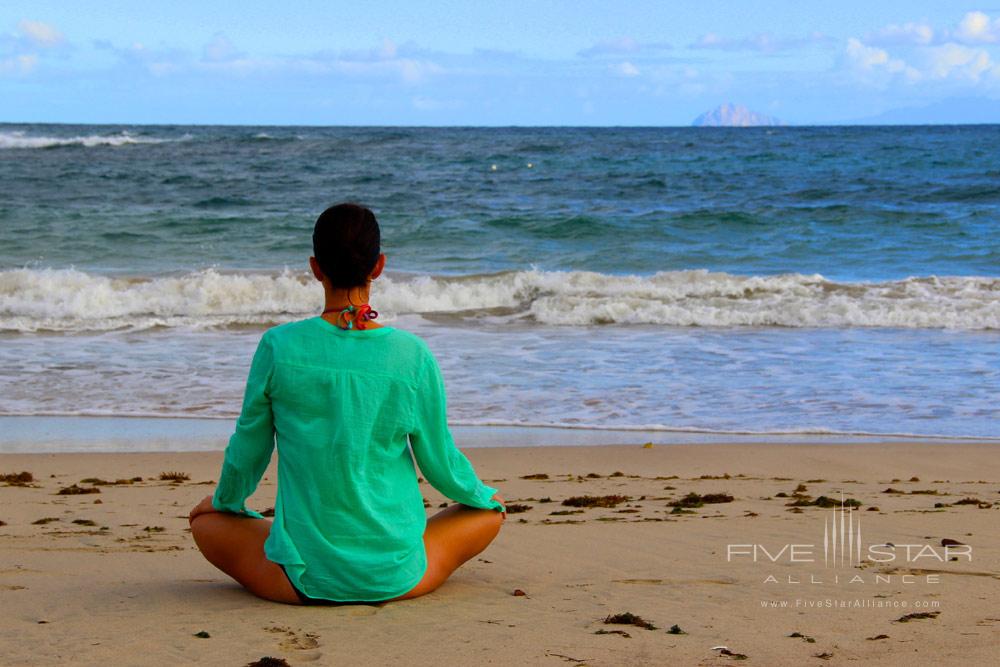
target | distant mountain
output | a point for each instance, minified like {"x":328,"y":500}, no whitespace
{"x":954,"y":111}
{"x":734,"y":115}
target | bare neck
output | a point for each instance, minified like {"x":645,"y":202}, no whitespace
{"x":338,"y":298}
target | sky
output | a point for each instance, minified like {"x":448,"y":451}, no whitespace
{"x":542,"y":62}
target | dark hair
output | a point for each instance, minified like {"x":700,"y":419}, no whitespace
{"x":346,"y":243}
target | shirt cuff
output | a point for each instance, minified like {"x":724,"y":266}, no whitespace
{"x":235,"y":509}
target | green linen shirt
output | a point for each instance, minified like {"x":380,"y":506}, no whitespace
{"x":345,"y":408}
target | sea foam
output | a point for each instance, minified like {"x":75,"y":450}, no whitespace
{"x":73,"y":300}
{"x":19,"y":139}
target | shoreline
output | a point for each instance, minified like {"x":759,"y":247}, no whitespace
{"x":86,"y":582}
{"x":24,"y":434}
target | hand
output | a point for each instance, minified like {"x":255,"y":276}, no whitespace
{"x":498,"y":498}
{"x":204,"y":507}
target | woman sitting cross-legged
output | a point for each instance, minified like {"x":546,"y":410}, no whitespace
{"x":344,"y":400}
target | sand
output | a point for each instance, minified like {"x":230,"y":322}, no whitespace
{"x":131,"y":589}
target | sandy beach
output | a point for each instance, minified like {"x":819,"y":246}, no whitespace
{"x":113,"y":577}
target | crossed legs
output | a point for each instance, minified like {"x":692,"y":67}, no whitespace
{"x":235,"y":545}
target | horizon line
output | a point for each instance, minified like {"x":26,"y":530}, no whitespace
{"x":503,"y":126}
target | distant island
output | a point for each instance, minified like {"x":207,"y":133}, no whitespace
{"x":734,"y":115}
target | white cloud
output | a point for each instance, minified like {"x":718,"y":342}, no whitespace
{"x":869,"y":57}
{"x":905,"y":33}
{"x":954,"y":61}
{"x":978,"y":28}
{"x":624,"y":46}
{"x":948,"y":57}
{"x":763,"y":42}
{"x":22,"y":64}
{"x":220,"y":49}
{"x":875,"y":64}
{"x":39,"y":34}
{"x":625,"y":69}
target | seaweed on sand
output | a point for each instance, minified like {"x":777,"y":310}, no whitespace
{"x":628,"y":618}
{"x":906,"y":618}
{"x":595,"y":501}
{"x":22,"y":478}
{"x":74,"y":490}
{"x":517,"y":508}
{"x":697,"y":500}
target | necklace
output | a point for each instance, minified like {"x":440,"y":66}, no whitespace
{"x":352,"y":315}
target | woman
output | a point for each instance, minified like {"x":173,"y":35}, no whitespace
{"x":346,"y":399}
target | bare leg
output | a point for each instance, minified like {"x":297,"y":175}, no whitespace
{"x":453,"y":536}
{"x":235,"y":545}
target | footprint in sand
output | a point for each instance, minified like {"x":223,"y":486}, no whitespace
{"x":295,"y":641}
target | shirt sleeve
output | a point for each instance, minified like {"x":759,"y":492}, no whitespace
{"x":441,"y":462}
{"x":249,"y":451}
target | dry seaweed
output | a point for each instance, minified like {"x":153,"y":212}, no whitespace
{"x":42,"y":522}
{"x":906,"y":618}
{"x":174,"y":476}
{"x":805,"y":638}
{"x":268,"y":661}
{"x":696,"y":500}
{"x":595,"y":501}
{"x":537,"y":475}
{"x":876,"y":638}
{"x":517,"y":508}
{"x":202,"y":635}
{"x":730,"y":654}
{"x":613,"y":632}
{"x":628,"y":618}
{"x":84,"y":522}
{"x":22,"y":478}
{"x":74,"y":490}
{"x":823,"y":501}
{"x":97,"y":481}
{"x":675,"y":630}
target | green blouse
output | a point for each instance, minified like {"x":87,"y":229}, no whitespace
{"x":345,"y":409}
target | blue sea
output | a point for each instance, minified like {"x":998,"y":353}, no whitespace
{"x":767,"y":281}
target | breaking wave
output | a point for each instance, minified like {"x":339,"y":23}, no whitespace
{"x":18,"y":139}
{"x":72,"y":300}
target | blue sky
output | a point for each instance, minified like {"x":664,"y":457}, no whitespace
{"x":493,"y":63}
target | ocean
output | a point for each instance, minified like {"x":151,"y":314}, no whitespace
{"x":767,"y":281}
